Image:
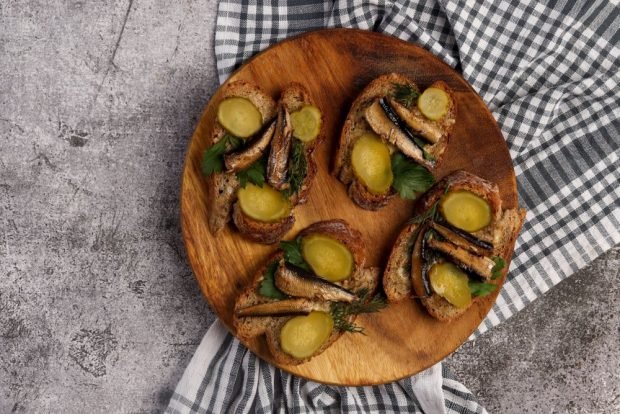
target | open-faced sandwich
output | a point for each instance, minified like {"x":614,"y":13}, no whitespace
{"x":393,"y":138}
{"x":309,"y":292}
{"x":260,"y":164}
{"x":456,"y":248}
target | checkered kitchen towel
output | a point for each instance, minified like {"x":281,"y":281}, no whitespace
{"x":550,"y":75}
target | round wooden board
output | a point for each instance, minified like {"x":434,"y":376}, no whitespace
{"x":335,"y":65}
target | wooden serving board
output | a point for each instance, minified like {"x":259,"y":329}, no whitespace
{"x":335,"y":65}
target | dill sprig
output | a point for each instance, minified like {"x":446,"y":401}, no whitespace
{"x":298,"y":168}
{"x":341,"y":311}
{"x":405,"y":94}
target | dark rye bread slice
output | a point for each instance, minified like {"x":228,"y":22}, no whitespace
{"x":505,"y":229}
{"x":222,"y":187}
{"x":362,"y":278}
{"x":356,"y":125}
{"x":293,"y":98}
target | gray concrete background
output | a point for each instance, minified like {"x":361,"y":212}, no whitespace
{"x":99,"y":311}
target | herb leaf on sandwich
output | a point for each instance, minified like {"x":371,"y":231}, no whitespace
{"x":405,"y":94}
{"x":254,"y":174}
{"x":267,"y":287}
{"x":213,"y":157}
{"x":341,"y":311}
{"x":292,"y":253}
{"x":297,"y":168}
{"x":500,"y":263}
{"x":410,"y":179}
{"x":481,"y":288}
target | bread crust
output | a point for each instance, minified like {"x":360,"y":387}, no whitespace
{"x":367,"y":200}
{"x":362,"y":278}
{"x":397,"y":276}
{"x":222,"y":193}
{"x":260,"y":231}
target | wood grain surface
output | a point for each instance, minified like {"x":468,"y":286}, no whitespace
{"x":335,"y":65}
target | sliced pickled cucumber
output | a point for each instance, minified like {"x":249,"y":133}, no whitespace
{"x":370,"y":159}
{"x":302,"y":336}
{"x":239,"y":116}
{"x":306,"y":123}
{"x":434,"y":103}
{"x":451,"y":283}
{"x":327,"y":257}
{"x":263,"y":203}
{"x":465,"y":210}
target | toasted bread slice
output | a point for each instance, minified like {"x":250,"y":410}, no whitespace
{"x":502,"y":231}
{"x":270,"y":326}
{"x":222,"y":193}
{"x":367,"y":116}
{"x":293,"y":98}
{"x":222,"y":187}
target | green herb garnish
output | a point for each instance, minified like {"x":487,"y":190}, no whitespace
{"x":213,"y":158}
{"x":405,"y":94}
{"x":500,"y":263}
{"x":267,"y":287}
{"x":422,"y":145}
{"x":481,"y":288}
{"x":431,"y":213}
{"x":341,"y":311}
{"x":292,"y":253}
{"x":255,"y":173}
{"x":297,"y":168}
{"x":410,"y":178}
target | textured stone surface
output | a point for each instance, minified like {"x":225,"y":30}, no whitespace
{"x":99,"y":311}
{"x":559,"y":355}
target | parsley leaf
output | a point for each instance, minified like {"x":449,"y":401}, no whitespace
{"x":497,"y":269}
{"x":481,"y":288}
{"x":213,"y":158}
{"x":255,"y":173}
{"x":410,"y":178}
{"x":405,"y":94}
{"x":267,"y":287}
{"x":297,"y":167}
{"x":292,"y":253}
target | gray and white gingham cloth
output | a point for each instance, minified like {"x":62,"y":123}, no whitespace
{"x":550,"y":75}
